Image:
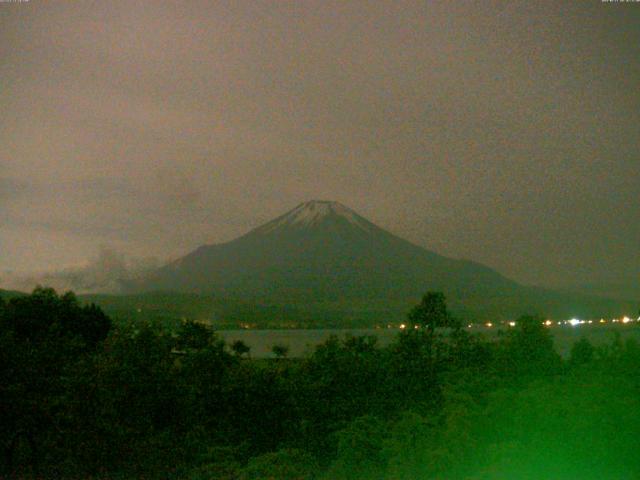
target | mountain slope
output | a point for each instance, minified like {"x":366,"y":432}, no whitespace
{"x":320,"y":250}
{"x":325,"y":253}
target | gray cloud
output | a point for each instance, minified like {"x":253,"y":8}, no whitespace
{"x":501,"y":132}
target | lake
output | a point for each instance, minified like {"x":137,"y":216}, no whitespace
{"x":301,"y":342}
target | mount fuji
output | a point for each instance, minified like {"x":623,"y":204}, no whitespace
{"x":324,"y":253}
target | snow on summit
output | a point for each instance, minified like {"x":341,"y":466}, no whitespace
{"x":312,"y":213}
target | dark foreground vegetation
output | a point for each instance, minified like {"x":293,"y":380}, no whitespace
{"x":81,"y":398}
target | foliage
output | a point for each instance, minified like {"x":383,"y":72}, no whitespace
{"x":432,"y":312}
{"x":42,"y":336}
{"x":80,"y":398}
{"x":240,"y":348}
{"x":194,"y":335}
{"x":285,"y":464}
{"x":582,"y":353}
{"x":527,"y":351}
{"x":280,"y":351}
{"x":359,"y":453}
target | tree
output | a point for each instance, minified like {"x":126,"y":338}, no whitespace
{"x":194,"y":335}
{"x":44,"y":316}
{"x":432,"y":313}
{"x":412,"y":447}
{"x":285,"y":464}
{"x":582,"y":352}
{"x":280,"y":351}
{"x":360,"y":453}
{"x":43,"y":337}
{"x":240,"y":348}
{"x":527,"y":350}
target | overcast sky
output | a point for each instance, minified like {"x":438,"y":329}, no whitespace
{"x":503,"y":132}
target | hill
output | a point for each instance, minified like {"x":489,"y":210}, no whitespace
{"x":9,"y":294}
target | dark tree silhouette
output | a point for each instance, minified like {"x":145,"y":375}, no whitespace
{"x":528,"y":351}
{"x":432,"y":313}
{"x":280,"y":351}
{"x":240,"y":348}
{"x":41,"y":335}
{"x":194,"y":335}
{"x":582,"y":352}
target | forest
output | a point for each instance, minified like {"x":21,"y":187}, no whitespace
{"x":82,"y":396}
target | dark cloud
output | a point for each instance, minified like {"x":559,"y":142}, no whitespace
{"x":504,"y":132}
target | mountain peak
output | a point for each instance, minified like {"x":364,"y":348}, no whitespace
{"x":314,"y":212}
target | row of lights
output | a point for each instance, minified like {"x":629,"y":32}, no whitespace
{"x":489,"y":324}
{"x":548,"y":323}
{"x":573,"y":322}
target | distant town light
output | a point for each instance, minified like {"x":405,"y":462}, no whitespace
{"x":626,"y":320}
{"x":574,"y":321}
{"x":512,"y":324}
{"x":548,"y":323}
{"x":489,"y":324}
{"x":402,"y":326}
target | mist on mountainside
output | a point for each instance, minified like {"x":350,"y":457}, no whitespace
{"x":106,"y":272}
